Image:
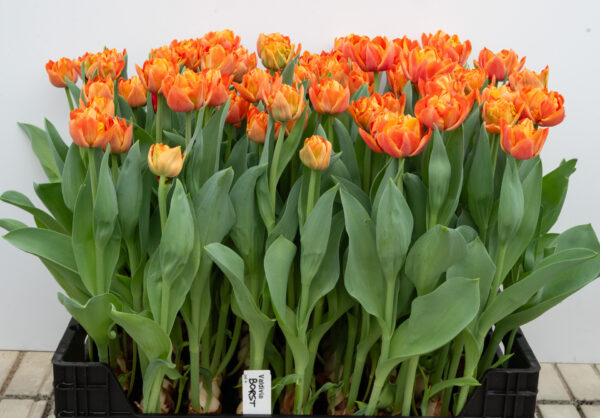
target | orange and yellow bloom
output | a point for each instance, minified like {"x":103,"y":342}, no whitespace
{"x":528,"y":78}
{"x":522,"y":140}
{"x":284,"y":102}
{"x":448,"y":46}
{"x":275,"y":50}
{"x":184,"y":92}
{"x":87,"y":127}
{"x":238,"y":109}
{"x":217,"y":87}
{"x":165,"y":161}
{"x":256,"y":128}
{"x":253,"y":85}
{"x":545,"y":108}
{"x":396,"y":134}
{"x":316,"y":153}
{"x":133,"y":91}
{"x":375,"y":54}
{"x":364,"y":109}
{"x":447,"y":111}
{"x":424,"y":64}
{"x":61,"y":69}
{"x":154,"y":72}
{"x":329,"y":97}
{"x":120,"y":135}
{"x":105,"y":64}
{"x":499,"y":66}
{"x":99,"y":87}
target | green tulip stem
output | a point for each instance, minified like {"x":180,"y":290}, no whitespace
{"x":498,"y":279}
{"x":237,"y":329}
{"x":349,"y":353}
{"x":274,"y":167}
{"x":509,"y":345}
{"x":93,"y":172}
{"x":380,"y":380}
{"x":115,"y":167}
{"x":409,"y":385}
{"x":367,"y":169}
{"x":134,"y":363}
{"x":162,"y":201}
{"x":399,"y":173}
{"x":194,"y":349}
{"x":159,"y":106}
{"x":330,"y":132}
{"x":376,"y":80}
{"x":230,"y":134}
{"x":495,"y":145}
{"x":70,"y":99}
{"x":188,"y":128}
{"x":456,"y":354}
{"x":313,"y":191}
{"x":257,"y":351}
{"x":222,"y":324}
{"x":152,"y":406}
{"x":102,"y":353}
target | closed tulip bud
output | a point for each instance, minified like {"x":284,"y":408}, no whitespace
{"x":238,"y":109}
{"x":165,"y":161}
{"x":120,"y":135}
{"x":275,"y":50}
{"x":528,"y":78}
{"x":256,"y":128}
{"x":447,"y":111}
{"x":87,"y":127}
{"x":253,"y":85}
{"x":99,"y":87}
{"x":498,"y":66}
{"x":375,"y":54}
{"x":284,"y":102}
{"x":133,"y":91}
{"x":545,"y":108}
{"x":217,"y":87}
{"x":448,"y":46}
{"x":522,"y":140}
{"x":61,"y":69}
{"x":184,"y":92}
{"x":316,"y":153}
{"x":329,"y":97}
{"x":396,"y":134}
{"x":154,"y":72}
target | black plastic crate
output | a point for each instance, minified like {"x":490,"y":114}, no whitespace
{"x":85,"y":389}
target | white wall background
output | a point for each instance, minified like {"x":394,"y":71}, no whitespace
{"x":564,"y":35}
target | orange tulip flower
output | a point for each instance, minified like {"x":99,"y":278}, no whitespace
{"x":108,"y":63}
{"x":237,"y":109}
{"x":133,"y":91}
{"x":275,"y":50}
{"x":448,"y":46}
{"x":522,"y":140}
{"x":284,"y":102}
{"x":226,"y":38}
{"x":498,"y":66}
{"x":253,"y":83}
{"x":396,"y":79}
{"x":87,"y":127}
{"x":528,"y":78}
{"x":358,"y":77}
{"x":153,"y":73}
{"x":256,"y":128}
{"x":375,"y":54}
{"x":184,"y":92}
{"x":217,"y":87}
{"x":424,"y":64}
{"x":244,"y":63}
{"x":402,"y":45}
{"x":329,"y":97}
{"x":187,"y":52}
{"x":496,"y":112}
{"x":545,"y":108}
{"x":164,"y":160}
{"x":99,"y":87}
{"x":61,"y":69}
{"x":167,"y":53}
{"x":101,"y":105}
{"x":447,"y":111}
{"x":120,"y":136}
{"x":217,"y":58}
{"x":396,"y":134}
{"x":364,"y":109}
{"x":316,"y":153}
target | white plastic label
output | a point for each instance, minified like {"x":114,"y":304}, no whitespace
{"x":256,"y":392}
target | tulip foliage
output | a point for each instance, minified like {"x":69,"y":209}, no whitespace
{"x":369,"y":223}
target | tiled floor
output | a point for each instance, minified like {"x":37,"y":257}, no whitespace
{"x":565,"y":390}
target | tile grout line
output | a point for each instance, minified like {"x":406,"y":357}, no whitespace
{"x":12,"y":372}
{"x":49,"y":410}
{"x":574,"y":401}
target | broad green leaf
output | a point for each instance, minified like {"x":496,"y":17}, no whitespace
{"x":84,"y":248}
{"x":73,"y":176}
{"x":394,"y":227}
{"x":516,"y":295}
{"x":511,"y":204}
{"x":48,"y":245}
{"x":150,"y":338}
{"x":314,"y":236}
{"x":288,"y":220}
{"x":210,"y":143}
{"x":435,"y":319}
{"x":75,"y":91}
{"x":153,"y":377}
{"x":21,"y":201}
{"x":177,"y":241}
{"x":431,"y":255}
{"x":43,"y":150}
{"x":278,"y":261}
{"x":554,"y":192}
{"x":480,"y":185}
{"x":291,"y":144}
{"x":347,"y":150}
{"x":124,"y":109}
{"x":410,"y":99}
{"x":51,"y":196}
{"x":130,"y":191}
{"x":57,"y":143}
{"x":263,"y":201}
{"x":455,"y":149}
{"x":11,"y":224}
{"x":354,"y":190}
{"x":416,"y":197}
{"x":363,"y":277}
{"x":106,"y":208}
{"x":440,"y":172}
{"x":287,"y":74}
{"x":94,"y":316}
{"x":213,"y":208}
{"x":174,"y":139}
{"x":69,"y":281}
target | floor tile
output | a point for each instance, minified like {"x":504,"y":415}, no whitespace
{"x":582,"y":379}
{"x":13,"y":408}
{"x":31,"y":374}
{"x":559,"y":411}
{"x":591,"y":411}
{"x":7,"y":359}
{"x":550,"y":387}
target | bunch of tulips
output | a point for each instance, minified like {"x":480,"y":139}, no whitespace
{"x":369,"y":223}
